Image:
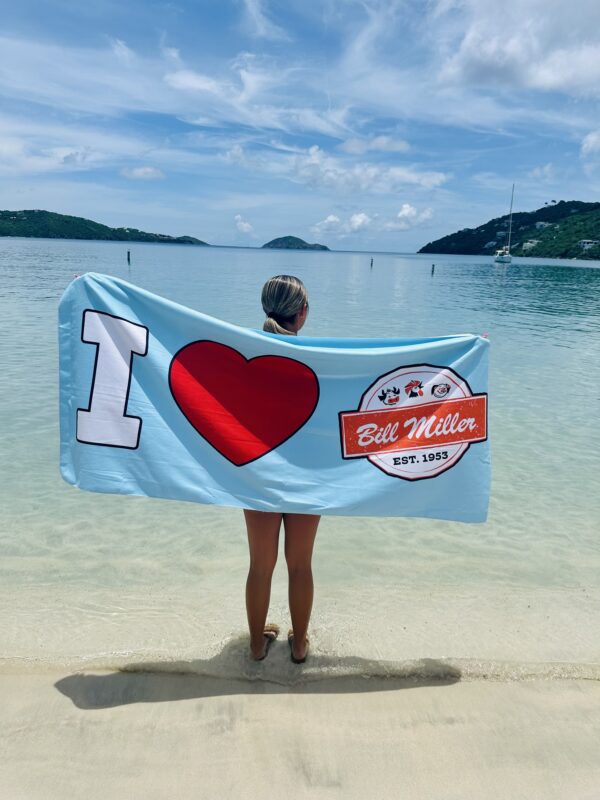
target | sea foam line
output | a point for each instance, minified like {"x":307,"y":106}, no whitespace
{"x":278,"y":669}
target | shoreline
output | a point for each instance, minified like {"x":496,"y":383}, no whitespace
{"x":319,"y":673}
{"x":554,"y":260}
{"x":477,"y":634}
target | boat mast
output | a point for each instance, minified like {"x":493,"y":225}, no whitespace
{"x":510,"y":218}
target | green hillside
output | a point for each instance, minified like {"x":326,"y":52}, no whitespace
{"x":293,"y":243}
{"x":568,"y":229}
{"x":48,"y":225}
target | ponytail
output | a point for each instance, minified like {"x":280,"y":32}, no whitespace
{"x":272,"y":326}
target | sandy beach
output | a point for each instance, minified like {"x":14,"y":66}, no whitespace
{"x":133,"y":735}
{"x":403,"y":710}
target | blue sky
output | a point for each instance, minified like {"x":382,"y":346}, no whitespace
{"x":363,"y":125}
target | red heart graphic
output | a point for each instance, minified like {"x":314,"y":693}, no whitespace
{"x":243,"y":407}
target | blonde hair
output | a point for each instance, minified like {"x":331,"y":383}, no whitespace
{"x":283,"y":297}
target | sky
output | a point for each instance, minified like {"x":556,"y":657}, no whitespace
{"x":360,"y":124}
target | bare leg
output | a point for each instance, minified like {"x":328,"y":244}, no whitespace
{"x":300,"y":532}
{"x":263,"y":539}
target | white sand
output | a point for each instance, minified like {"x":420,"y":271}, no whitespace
{"x":160,"y":737}
{"x":72,"y":728}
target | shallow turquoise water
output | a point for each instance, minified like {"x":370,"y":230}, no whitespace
{"x":65,"y":550}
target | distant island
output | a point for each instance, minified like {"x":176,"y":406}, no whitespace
{"x":567,"y":229}
{"x":293,"y":243}
{"x":48,"y":225}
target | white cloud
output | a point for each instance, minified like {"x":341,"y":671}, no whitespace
{"x":191,"y":81}
{"x":48,"y":146}
{"x":251,"y":90}
{"x":319,"y":169}
{"x":545,"y":173}
{"x":574,"y":69}
{"x":359,"y":221}
{"x":331,"y":223}
{"x":75,"y":156}
{"x":408,"y":217}
{"x":22,"y":155}
{"x":122,"y":52}
{"x":459,"y":47}
{"x":168,"y":52}
{"x":142,"y":173}
{"x":547,"y":45}
{"x":385,"y":144}
{"x":98,"y":80}
{"x":258,"y":97}
{"x":591,"y":144}
{"x":386,"y":67}
{"x":262,"y":26}
{"x":45,"y":146}
{"x":242,"y":225}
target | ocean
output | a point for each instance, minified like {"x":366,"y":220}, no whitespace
{"x":98,"y":581}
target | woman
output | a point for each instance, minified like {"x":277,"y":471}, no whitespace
{"x":285,"y":303}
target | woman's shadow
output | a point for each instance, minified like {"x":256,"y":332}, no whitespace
{"x":232,"y":672}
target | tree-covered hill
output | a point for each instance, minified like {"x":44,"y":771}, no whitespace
{"x":48,"y":225}
{"x":568,"y":229}
{"x":293,"y":243}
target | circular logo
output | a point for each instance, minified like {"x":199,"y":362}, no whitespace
{"x":427,"y":428}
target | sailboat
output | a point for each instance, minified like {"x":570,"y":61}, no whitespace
{"x":503,"y":256}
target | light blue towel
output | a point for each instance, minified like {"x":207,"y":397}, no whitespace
{"x":159,"y":400}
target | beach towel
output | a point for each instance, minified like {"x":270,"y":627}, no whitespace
{"x":160,"y":400}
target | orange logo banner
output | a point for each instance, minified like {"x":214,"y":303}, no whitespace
{"x":453,"y":421}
